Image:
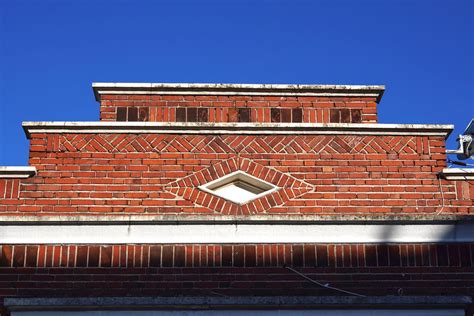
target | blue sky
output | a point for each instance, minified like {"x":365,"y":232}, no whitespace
{"x":51,"y":51}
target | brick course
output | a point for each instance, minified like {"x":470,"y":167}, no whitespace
{"x":259,"y":109}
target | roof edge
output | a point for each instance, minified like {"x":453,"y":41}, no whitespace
{"x":236,"y":128}
{"x":101,"y":88}
{"x":17,"y":172}
{"x":463,"y":174}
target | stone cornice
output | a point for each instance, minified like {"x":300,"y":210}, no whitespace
{"x":16,"y":172}
{"x":101,"y":88}
{"x":237,"y":128}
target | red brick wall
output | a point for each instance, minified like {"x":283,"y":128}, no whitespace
{"x":237,"y":255}
{"x":262,"y":109}
{"x":127,"y":173}
{"x":167,"y":270}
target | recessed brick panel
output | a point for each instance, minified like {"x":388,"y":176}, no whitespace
{"x":297,"y":115}
{"x":335,"y":116}
{"x":121,"y":114}
{"x":244,"y":115}
{"x":285,"y":115}
{"x":143,"y":114}
{"x":275,"y":115}
{"x":132,"y":114}
{"x":202,"y":115}
{"x":191,"y":114}
{"x":180,"y":115}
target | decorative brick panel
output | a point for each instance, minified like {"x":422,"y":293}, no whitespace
{"x":288,"y":187}
{"x":239,"y":255}
{"x":261,"y":109}
{"x":129,"y":173}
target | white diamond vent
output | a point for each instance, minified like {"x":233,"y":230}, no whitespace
{"x":239,"y":187}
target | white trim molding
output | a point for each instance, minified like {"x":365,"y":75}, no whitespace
{"x":237,"y":128}
{"x":458,"y":174}
{"x":17,"y":172}
{"x":234,"y":233}
{"x":123,"y":88}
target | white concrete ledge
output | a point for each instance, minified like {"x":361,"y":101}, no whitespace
{"x":237,"y":128}
{"x":458,"y":173}
{"x":15,"y":172}
{"x":234,"y":233}
{"x":158,"y":219}
{"x":101,"y":88}
{"x":238,"y":302}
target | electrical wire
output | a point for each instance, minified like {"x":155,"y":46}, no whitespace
{"x":327,"y":286}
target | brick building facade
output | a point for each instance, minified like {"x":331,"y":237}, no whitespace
{"x":145,"y":210}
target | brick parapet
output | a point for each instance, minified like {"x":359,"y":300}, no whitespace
{"x":257,"y":109}
{"x":133,"y":173}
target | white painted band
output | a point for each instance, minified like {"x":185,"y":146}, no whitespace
{"x":458,"y":173}
{"x":237,"y":233}
{"x":237,"y":89}
{"x":17,"y":172}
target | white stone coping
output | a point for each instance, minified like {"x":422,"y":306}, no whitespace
{"x":230,"y":219}
{"x":214,"y":301}
{"x":458,"y":173}
{"x":237,"y":128}
{"x":101,"y":88}
{"x":235,"y":233}
{"x":17,"y":172}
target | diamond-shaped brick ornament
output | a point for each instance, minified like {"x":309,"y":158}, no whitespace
{"x":284,"y":187}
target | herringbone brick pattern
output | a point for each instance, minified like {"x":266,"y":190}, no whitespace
{"x":243,"y":144}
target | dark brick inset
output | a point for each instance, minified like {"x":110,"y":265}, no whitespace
{"x":345,"y":116}
{"x":297,"y":115}
{"x":275,"y":115}
{"x":334,"y":116}
{"x":143,"y":114}
{"x":244,"y":115}
{"x":132,"y":114}
{"x":121,"y":114}
{"x":203,"y":115}
{"x":285,"y":115}
{"x":191,"y":115}
{"x":181,"y":115}
{"x":356,"y":116}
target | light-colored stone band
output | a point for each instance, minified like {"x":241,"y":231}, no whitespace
{"x":237,"y":128}
{"x":14,"y":172}
{"x":101,"y":88}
